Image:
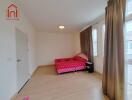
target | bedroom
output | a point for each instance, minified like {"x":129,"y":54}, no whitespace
{"x":37,"y":24}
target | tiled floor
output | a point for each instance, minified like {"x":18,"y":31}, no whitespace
{"x":47,"y":85}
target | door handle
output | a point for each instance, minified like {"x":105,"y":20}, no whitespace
{"x":18,"y":60}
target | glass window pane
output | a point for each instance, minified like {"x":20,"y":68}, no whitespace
{"x":94,"y":35}
{"x":129,"y":7}
{"x":128,"y":56}
{"x":128,"y":31}
{"x":103,"y":37}
{"x":129,"y":26}
{"x":128,"y":37}
{"x":129,"y":47}
{"x":103,"y":32}
{"x":103,"y":28}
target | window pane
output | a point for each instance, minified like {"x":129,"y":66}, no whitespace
{"x":128,"y":56}
{"x":103,"y":28}
{"x":94,"y":35}
{"x":129,"y":7}
{"x":129,"y":31}
{"x":129,"y":26}
{"x":103,"y":32}
{"x":128,"y":37}
{"x":103,"y":37}
{"x":129,"y":47}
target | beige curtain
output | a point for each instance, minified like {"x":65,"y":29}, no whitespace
{"x":114,"y":67}
{"x":87,"y":42}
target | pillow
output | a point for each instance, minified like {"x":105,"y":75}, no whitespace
{"x":82,"y":55}
{"x":78,"y":58}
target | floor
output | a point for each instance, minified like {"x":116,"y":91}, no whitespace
{"x":47,"y":85}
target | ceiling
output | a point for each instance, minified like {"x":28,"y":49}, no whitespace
{"x":47,"y":15}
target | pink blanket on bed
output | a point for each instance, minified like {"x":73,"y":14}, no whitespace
{"x":70,"y":64}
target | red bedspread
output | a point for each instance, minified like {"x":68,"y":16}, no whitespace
{"x":70,"y":64}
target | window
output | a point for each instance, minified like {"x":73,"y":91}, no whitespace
{"x":103,"y":32}
{"x":129,"y":8}
{"x":129,"y":27}
{"x":128,"y":47}
{"x":94,"y":35}
{"x":128,"y":34}
{"x":128,"y":37}
{"x":103,"y":37}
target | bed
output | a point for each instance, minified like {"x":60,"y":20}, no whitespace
{"x":64,"y":65}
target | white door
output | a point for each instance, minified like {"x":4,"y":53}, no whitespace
{"x":22,"y":59}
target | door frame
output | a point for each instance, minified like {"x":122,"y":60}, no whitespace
{"x":18,"y":30}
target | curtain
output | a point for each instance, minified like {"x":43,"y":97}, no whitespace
{"x":87,"y":43}
{"x":114,"y":67}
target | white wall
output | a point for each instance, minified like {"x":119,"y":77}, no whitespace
{"x":7,"y":55}
{"x":26,"y":27}
{"x":77,"y":43}
{"x":8,"y":76}
{"x":54,"y":45}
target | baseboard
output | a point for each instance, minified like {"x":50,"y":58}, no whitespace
{"x":33,"y":72}
{"x":99,"y":74}
{"x":15,"y":95}
{"x":46,"y":65}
